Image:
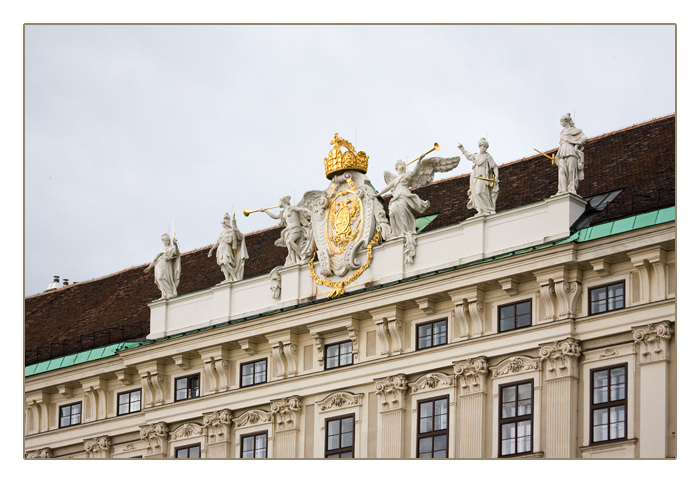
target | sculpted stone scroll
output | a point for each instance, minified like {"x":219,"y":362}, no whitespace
{"x":569,"y":157}
{"x":483,"y":182}
{"x":166,"y":266}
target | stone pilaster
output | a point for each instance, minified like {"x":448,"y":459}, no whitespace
{"x":471,"y":425}
{"x":156,"y":436}
{"x":218,"y":428}
{"x":98,"y":448}
{"x":561,"y":371}
{"x":286,"y":412}
{"x":652,"y":345}
{"x":391,"y":392}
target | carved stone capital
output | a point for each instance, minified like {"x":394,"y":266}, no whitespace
{"x":218,"y":425}
{"x":561,"y":358}
{"x":286,"y":411}
{"x":471,"y":375}
{"x":99,"y":447}
{"x":42,"y":453}
{"x":515,"y":365}
{"x":156,"y":435}
{"x":391,"y":391}
{"x":340,"y":399}
{"x":653,"y":341}
{"x":433,"y":380}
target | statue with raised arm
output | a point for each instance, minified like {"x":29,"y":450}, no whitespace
{"x":166,"y":267}
{"x":403,"y":202}
{"x":569,"y":157}
{"x":231,"y":251}
{"x":296,"y":232}
{"x":483,"y":182}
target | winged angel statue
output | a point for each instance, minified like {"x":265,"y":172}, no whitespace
{"x":401,"y":219}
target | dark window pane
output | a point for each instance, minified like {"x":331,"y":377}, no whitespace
{"x":333,"y":427}
{"x":346,"y":440}
{"x":508,"y":312}
{"x":347,"y":454}
{"x":346,"y":425}
{"x":509,"y":394}
{"x":194,"y":452}
{"x":425,"y":445}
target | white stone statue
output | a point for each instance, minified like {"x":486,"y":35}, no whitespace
{"x":296,"y":233}
{"x":231,"y":251}
{"x":167,"y":268}
{"x":569,"y":157}
{"x":483,"y":182}
{"x":401,"y":218}
{"x":276,"y":283}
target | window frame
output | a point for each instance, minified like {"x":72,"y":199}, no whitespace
{"x":515,"y":315}
{"x":188,"y":447}
{"x":516,"y":419}
{"x":325,"y":355}
{"x":140,"y":391}
{"x":255,"y":436}
{"x":433,"y":434}
{"x":253,"y":363}
{"x":592,"y":407}
{"x":326,"y":451}
{"x":432,"y":333}
{"x":70,"y":415}
{"x":189,"y":389}
{"x":607,"y":298}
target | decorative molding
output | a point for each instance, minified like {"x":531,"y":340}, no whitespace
{"x":515,"y":365}
{"x":471,"y":375}
{"x":125,"y":376}
{"x":156,"y":436}
{"x":65,"y":390}
{"x":469,"y":311}
{"x":95,"y":389}
{"x":561,"y":358}
{"x":568,"y":295}
{"x":651,"y":266}
{"x":218,"y":425}
{"x":395,"y":327}
{"x":341,"y":399}
{"x":182,"y":361}
{"x":383,"y":335}
{"x":43,"y":453}
{"x":653,"y":340}
{"x":608,"y":353}
{"x":509,"y":286}
{"x":252,"y":417}
{"x":547,"y":298}
{"x":152,"y":383}
{"x":187,"y":430}
{"x":286,"y":412}
{"x":98,"y":448}
{"x":289,"y":350}
{"x":601,"y":267}
{"x":460,"y":313}
{"x":249,"y":345}
{"x":284,"y":349}
{"x":391,"y":391}
{"x":431,"y":381}
{"x":38,"y":403}
{"x":426,"y":304}
{"x":318,"y":343}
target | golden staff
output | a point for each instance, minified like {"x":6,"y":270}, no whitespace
{"x":173,"y":229}
{"x":248,"y":212}
{"x":490,"y":180}
{"x":550,"y":157}
{"x":436,"y":147}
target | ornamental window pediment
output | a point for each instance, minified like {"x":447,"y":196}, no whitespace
{"x":340,"y":400}
{"x":515,"y":365}
{"x":432,"y":381}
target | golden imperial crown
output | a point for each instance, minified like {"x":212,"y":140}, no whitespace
{"x":337,"y":161}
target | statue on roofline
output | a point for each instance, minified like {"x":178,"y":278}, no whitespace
{"x":569,"y":157}
{"x":296,"y":233}
{"x":231,"y":251}
{"x":483,"y":181}
{"x":166,"y":267}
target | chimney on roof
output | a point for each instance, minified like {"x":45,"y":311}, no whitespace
{"x":55,"y":284}
{"x":65,"y":282}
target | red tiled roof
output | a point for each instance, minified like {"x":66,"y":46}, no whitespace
{"x":640,"y":159}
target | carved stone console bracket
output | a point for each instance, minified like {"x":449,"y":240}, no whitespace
{"x":284,"y":350}
{"x":156,"y":436}
{"x":95,"y":389}
{"x":560,"y":291}
{"x":469,"y":311}
{"x":651,"y":266}
{"x":152,"y":383}
{"x":218,"y":426}
{"x":391,"y":391}
{"x":509,"y":286}
{"x":38,"y":403}
{"x":216,"y":368}
{"x":286,"y":412}
{"x":98,"y":448}
{"x":653,"y":341}
{"x":561,"y":358}
{"x":471,"y":375}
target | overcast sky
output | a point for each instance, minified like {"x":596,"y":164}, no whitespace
{"x":129,"y":127}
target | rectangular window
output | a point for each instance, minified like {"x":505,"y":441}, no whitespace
{"x":187,"y":387}
{"x":188,"y":452}
{"x":338,"y":355}
{"x":129,"y":402}
{"x":340,"y":437}
{"x":606,"y":298}
{"x":431,"y":334}
{"x":609,"y":404}
{"x":253,"y":373}
{"x":70,"y":415}
{"x":515,"y":419}
{"x":515,"y":316}
{"x":433,"y":428}
{"x":254,"y":445}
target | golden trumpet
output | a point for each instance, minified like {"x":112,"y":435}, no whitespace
{"x":248,"y":212}
{"x":436,"y":147}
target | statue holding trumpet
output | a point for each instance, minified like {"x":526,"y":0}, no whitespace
{"x":403,"y":202}
{"x":483,"y":182}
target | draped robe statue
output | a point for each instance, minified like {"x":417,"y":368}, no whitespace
{"x":231,"y":251}
{"x":569,"y":157}
{"x":166,"y":267}
{"x":482,"y":193}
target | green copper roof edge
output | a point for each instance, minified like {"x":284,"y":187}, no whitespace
{"x":631,"y":223}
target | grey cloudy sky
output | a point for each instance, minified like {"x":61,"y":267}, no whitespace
{"x":128,"y":127}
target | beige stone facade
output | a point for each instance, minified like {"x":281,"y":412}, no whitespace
{"x":556,"y":363}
